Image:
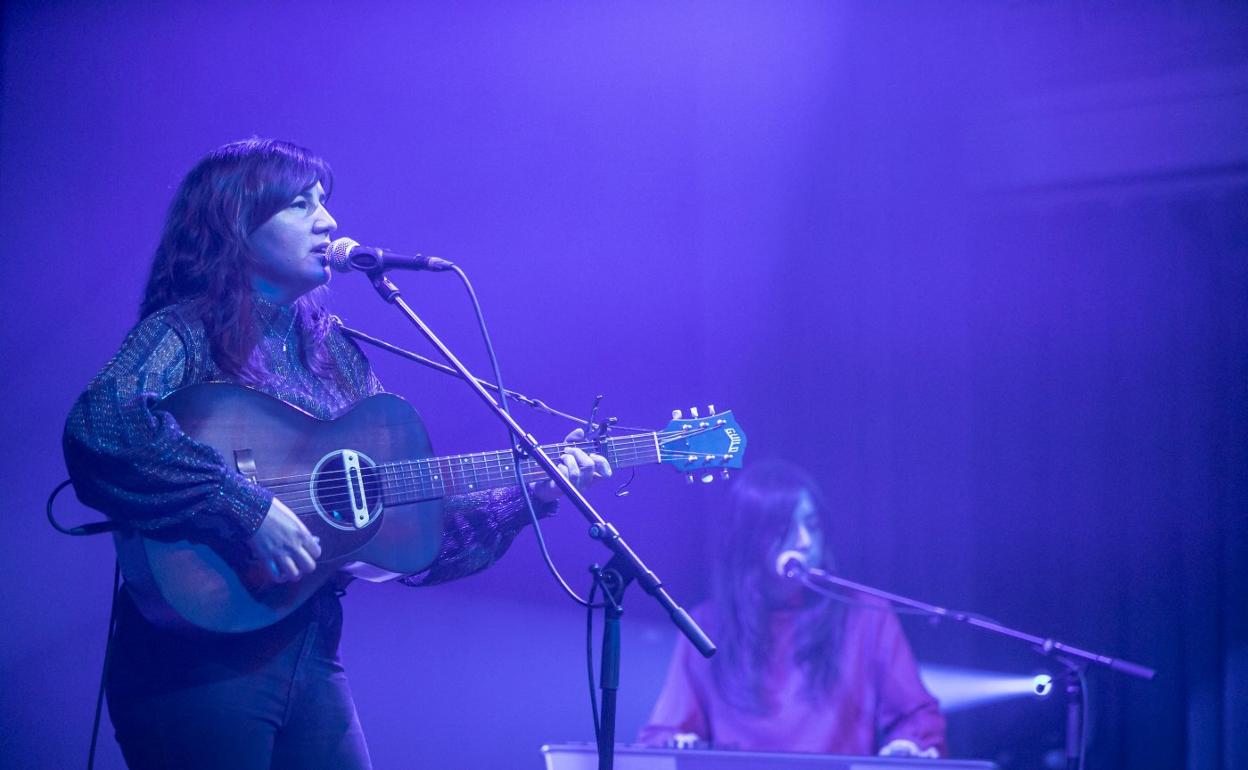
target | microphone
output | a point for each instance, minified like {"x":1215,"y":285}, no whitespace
{"x":346,"y":255}
{"x":791,"y":564}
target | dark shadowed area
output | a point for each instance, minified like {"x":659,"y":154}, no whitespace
{"x":981,"y":267}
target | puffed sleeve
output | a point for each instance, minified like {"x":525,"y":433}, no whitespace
{"x":678,"y":708}
{"x":131,"y":461}
{"x":905,"y":710}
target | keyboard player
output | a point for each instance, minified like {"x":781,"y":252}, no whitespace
{"x":796,"y":671}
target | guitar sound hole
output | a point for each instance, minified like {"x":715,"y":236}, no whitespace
{"x":332,"y":497}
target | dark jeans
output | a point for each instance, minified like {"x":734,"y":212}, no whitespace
{"x":274,"y":698}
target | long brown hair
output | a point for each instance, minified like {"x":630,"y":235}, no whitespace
{"x":760,"y":513}
{"x":203,"y":258}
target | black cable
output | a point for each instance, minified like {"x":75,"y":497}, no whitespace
{"x":524,"y":488}
{"x":108,"y":650}
{"x":588,"y":604}
{"x":91,"y":528}
{"x":52,"y":498}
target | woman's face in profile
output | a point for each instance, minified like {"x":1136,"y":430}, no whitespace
{"x":289,"y":249}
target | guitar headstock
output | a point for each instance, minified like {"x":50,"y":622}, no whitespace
{"x":699,"y":445}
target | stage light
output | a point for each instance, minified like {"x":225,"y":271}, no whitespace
{"x":963,"y":688}
{"x":1042,"y":684}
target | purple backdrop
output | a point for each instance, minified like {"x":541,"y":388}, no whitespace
{"x":981,"y":267}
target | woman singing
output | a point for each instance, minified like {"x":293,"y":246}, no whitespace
{"x":237,"y":294}
{"x":796,"y":670}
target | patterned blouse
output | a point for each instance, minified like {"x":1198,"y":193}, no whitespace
{"x":131,"y":461}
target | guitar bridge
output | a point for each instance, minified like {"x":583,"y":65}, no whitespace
{"x":355,"y":488}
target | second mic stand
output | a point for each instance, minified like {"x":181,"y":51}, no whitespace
{"x":612,"y":580}
{"x":626,"y":562}
{"x":1074,"y":659}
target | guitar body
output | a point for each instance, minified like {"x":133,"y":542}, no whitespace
{"x":365,"y":483}
{"x":191,"y":583}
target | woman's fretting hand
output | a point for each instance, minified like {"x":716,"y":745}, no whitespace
{"x":575,"y":465}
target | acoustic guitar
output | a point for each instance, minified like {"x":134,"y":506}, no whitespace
{"x":366,"y":483}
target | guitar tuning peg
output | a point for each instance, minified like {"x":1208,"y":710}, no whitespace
{"x":707,"y":478}
{"x":688,"y":478}
{"x":676,"y":414}
{"x":710,"y":410}
{"x":693,"y":412}
{"x":724,"y":474}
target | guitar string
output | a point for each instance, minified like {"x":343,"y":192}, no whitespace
{"x":306,"y":507}
{"x":484,"y":468}
{"x":549,"y":449}
{"x":305,"y":504}
{"x":483,"y":471}
{"x":416,"y":479}
{"x":552,"y":450}
{"x":405,"y":485}
{"x":448,"y":463}
{"x":458,"y":476}
{"x":647,"y":440}
{"x":332,"y":486}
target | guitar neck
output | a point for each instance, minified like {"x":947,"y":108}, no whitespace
{"x":410,"y":481}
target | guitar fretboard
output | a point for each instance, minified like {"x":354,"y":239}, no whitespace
{"x":410,"y":481}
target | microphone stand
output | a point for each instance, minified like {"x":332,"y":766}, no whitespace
{"x":531,"y":401}
{"x":1073,"y":659}
{"x":625,"y":565}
